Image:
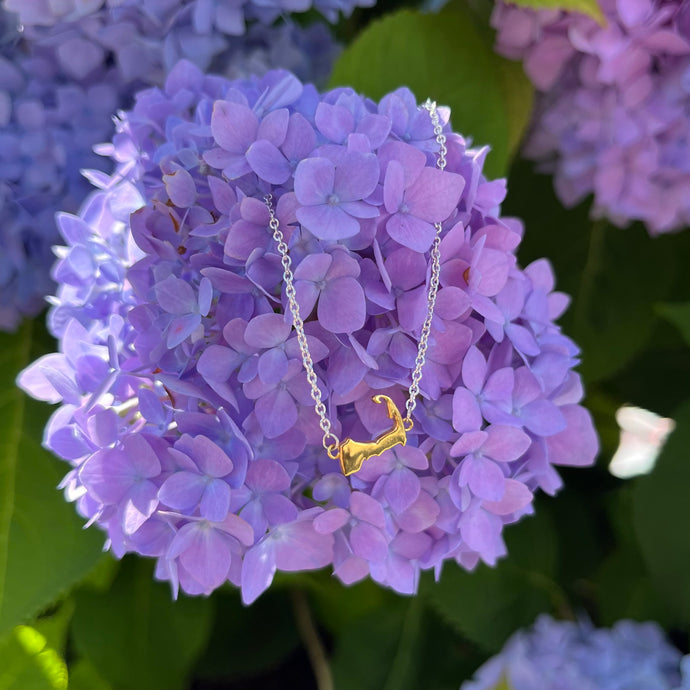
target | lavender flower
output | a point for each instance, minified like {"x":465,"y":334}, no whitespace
{"x":186,"y":413}
{"x":563,"y":655}
{"x":612,"y":117}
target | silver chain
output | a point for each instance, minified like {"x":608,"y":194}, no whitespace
{"x":435,"y":273}
{"x":330,"y":441}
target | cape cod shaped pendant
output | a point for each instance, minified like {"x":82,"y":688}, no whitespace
{"x":352,"y":454}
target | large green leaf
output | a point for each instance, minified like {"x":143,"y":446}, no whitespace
{"x":662,"y":515}
{"x":588,"y":7}
{"x":450,"y":59}
{"x":622,"y":585}
{"x":135,"y":635}
{"x":376,"y":651}
{"x":83,"y":676}
{"x":678,"y":313}
{"x":336,"y":606}
{"x":43,"y":548}
{"x":233,"y":649}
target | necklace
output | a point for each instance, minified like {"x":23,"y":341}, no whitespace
{"x":349,"y":452}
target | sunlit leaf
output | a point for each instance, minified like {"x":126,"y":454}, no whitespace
{"x":43,"y":547}
{"x":28,"y":662}
{"x":588,"y":7}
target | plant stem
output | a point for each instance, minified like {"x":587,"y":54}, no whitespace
{"x":311,"y":640}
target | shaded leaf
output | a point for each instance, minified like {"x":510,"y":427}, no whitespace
{"x":623,"y":586}
{"x":490,"y":98}
{"x":489,"y":604}
{"x":624,"y":589}
{"x":376,"y":651}
{"x":43,"y":548}
{"x":661,"y":513}
{"x":337,"y":606}
{"x":679,"y":315}
{"x":248,"y":640}
{"x":135,"y":635}
{"x":83,"y":676}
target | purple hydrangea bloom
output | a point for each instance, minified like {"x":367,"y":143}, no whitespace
{"x":611,"y":119}
{"x":176,"y":338}
{"x":566,"y":655}
{"x":57,"y":96}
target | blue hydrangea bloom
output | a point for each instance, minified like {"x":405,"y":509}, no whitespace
{"x":102,"y":22}
{"x":48,"y":125}
{"x":185,"y":409}
{"x":565,"y":655}
{"x":59,"y":89}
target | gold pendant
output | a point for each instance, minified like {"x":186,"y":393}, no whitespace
{"x":353,"y":453}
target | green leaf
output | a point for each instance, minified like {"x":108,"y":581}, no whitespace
{"x":679,"y":315}
{"x":32,"y":657}
{"x":336,"y":606}
{"x":625,"y":590}
{"x":615,"y":276}
{"x":55,"y":626}
{"x":83,"y":676}
{"x":488,"y":604}
{"x":449,"y":58}
{"x":376,"y":651}
{"x":28,"y":662}
{"x":135,"y":635}
{"x":233,"y":650}
{"x":588,"y":7}
{"x":622,"y":584}
{"x":519,"y":100}
{"x":43,"y":548}
{"x":661,"y":515}
{"x":446,"y":658}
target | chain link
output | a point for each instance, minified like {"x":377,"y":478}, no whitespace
{"x":441,"y":162}
{"x":330,"y":441}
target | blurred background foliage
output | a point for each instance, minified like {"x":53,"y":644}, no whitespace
{"x":604,"y":547}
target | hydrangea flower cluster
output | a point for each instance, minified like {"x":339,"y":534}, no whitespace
{"x":144,"y":40}
{"x":612,"y":117}
{"x":48,"y":125}
{"x":58,"y":92}
{"x":104,"y":23}
{"x":564,"y":655}
{"x":185,"y":409}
